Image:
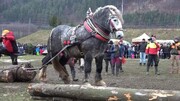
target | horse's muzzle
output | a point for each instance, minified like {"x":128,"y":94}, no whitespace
{"x":119,"y":34}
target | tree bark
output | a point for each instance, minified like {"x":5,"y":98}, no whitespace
{"x":96,"y":93}
{"x":20,"y":73}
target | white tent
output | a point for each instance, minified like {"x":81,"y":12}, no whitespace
{"x":165,"y":41}
{"x":124,"y":41}
{"x":139,"y":38}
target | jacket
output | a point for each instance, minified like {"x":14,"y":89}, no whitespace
{"x":7,"y":41}
{"x":175,"y":47}
{"x":152,"y":48}
{"x":121,"y":50}
{"x":142,"y":47}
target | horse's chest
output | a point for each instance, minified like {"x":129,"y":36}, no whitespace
{"x":94,"y":48}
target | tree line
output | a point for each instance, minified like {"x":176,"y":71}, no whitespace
{"x":74,"y":11}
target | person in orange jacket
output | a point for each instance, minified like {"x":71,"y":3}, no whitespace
{"x":152,"y":51}
{"x":9,"y":46}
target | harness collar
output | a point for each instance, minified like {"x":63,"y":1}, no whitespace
{"x":99,"y":33}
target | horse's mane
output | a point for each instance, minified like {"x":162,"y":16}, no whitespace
{"x":113,"y":8}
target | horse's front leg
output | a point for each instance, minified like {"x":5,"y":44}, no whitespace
{"x":98,"y":77}
{"x":87,"y":67}
{"x":61,"y":69}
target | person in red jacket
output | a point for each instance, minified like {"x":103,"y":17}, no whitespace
{"x":9,"y":46}
{"x":152,"y":51}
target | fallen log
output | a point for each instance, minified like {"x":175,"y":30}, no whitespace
{"x":96,"y":93}
{"x":20,"y":73}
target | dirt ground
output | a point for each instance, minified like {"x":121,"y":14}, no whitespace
{"x":134,"y":76}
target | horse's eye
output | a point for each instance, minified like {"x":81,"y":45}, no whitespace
{"x":115,"y":20}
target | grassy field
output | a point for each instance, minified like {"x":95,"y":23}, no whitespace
{"x":41,"y":36}
{"x":132,"y":77}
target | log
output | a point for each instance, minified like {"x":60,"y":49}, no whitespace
{"x":97,"y":93}
{"x":18,"y":73}
{"x":6,"y":76}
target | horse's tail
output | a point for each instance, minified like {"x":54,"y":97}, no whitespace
{"x":50,"y":43}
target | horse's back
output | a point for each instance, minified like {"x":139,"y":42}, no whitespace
{"x":57,"y":35}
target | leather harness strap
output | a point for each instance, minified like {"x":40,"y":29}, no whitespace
{"x":99,"y":34}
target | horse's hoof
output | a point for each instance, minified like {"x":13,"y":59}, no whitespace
{"x":100,"y":83}
{"x":44,"y":80}
{"x":66,"y":80}
{"x":75,"y":79}
{"x":87,"y":83}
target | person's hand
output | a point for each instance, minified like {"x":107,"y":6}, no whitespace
{"x":4,"y":37}
{"x":120,"y":58}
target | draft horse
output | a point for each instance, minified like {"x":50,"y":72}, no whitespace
{"x":87,"y":40}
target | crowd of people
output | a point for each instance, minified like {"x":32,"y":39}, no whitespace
{"x":148,"y":52}
{"x":31,"y":49}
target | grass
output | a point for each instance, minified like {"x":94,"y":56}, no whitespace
{"x":41,"y":36}
{"x":133,"y":77}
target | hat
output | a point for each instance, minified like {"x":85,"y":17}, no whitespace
{"x":110,"y":42}
{"x":116,"y":42}
{"x":153,"y":38}
{"x":149,"y":39}
{"x":4,"y":32}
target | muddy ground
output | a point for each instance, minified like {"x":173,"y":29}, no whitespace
{"x":134,"y":76}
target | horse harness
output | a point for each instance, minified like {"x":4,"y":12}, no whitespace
{"x":94,"y":29}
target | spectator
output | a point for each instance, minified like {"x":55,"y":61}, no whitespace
{"x":9,"y":46}
{"x":133,"y":51}
{"x":107,"y":56}
{"x":116,"y":57}
{"x":37,"y":50}
{"x":152,"y":50}
{"x":175,"y":55}
{"x":121,"y":54}
{"x":136,"y":53}
{"x":142,"y":48}
{"x":165,"y":51}
{"x":71,"y":63}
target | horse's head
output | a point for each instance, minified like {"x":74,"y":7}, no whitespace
{"x":109,"y":19}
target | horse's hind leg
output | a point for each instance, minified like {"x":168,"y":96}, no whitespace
{"x":61,"y":69}
{"x":42,"y":73}
{"x":98,"y":77}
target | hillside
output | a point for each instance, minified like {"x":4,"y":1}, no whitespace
{"x":41,"y":36}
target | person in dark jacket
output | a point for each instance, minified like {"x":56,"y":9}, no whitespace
{"x":107,"y":56}
{"x":142,"y":49}
{"x":9,"y":46}
{"x":121,"y":54}
{"x":117,"y":56}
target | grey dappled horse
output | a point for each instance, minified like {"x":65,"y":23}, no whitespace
{"x":87,"y":41}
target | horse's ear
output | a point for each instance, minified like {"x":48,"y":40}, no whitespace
{"x":89,"y":12}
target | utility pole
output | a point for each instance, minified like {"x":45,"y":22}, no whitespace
{"x":29,"y":23}
{"x":122,"y":6}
